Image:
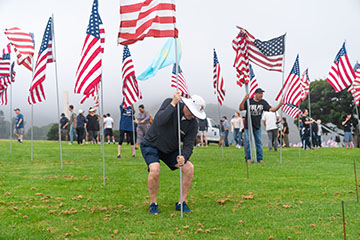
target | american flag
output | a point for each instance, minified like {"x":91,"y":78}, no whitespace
{"x":24,"y":45}
{"x":183,"y":88}
{"x":305,"y":85}
{"x":356,"y":82}
{"x":354,"y":92}
{"x":253,"y":83}
{"x":4,"y":84}
{"x":292,"y":86}
{"x":5,"y":65}
{"x":45,"y":56}
{"x":291,"y":110}
{"x":88,"y":74}
{"x":266,"y":54}
{"x":341,"y":74}
{"x":146,"y":18}
{"x":130,"y":91}
{"x":219,"y":84}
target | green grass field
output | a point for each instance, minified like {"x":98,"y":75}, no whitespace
{"x":298,"y":199}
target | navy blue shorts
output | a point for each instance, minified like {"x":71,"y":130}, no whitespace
{"x":151,"y":155}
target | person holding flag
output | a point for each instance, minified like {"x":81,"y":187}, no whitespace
{"x":257,"y":106}
{"x":161,"y":142}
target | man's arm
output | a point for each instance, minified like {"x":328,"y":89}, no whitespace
{"x":167,"y":109}
{"x":20,"y":121}
{"x":242,"y":104}
{"x":274,"y":109}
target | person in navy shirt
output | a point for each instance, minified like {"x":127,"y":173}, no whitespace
{"x":19,"y":127}
{"x":80,"y":127}
{"x":126,"y":127}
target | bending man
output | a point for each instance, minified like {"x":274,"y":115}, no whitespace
{"x":161,"y":142}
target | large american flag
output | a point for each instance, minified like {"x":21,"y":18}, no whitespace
{"x":305,"y":84}
{"x":253,"y":83}
{"x":291,"y":110}
{"x":341,"y":74}
{"x":88,"y":74}
{"x":24,"y":45}
{"x":266,"y":54}
{"x":219,"y":84}
{"x":183,"y":88}
{"x":130,"y":91}
{"x":292,"y":87}
{"x":45,"y":56}
{"x":4,"y":85}
{"x":146,"y":18}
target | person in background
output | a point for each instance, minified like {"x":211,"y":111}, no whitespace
{"x":80,"y":127}
{"x":126,"y":127}
{"x":203,"y":128}
{"x":143,"y":123}
{"x":257,"y":106}
{"x":64,"y":123}
{"x":226,"y":130}
{"x":349,"y":140}
{"x":270,"y":123}
{"x":285,"y":132}
{"x":19,"y":127}
{"x":222,"y":134}
{"x":92,"y":125}
{"x":314,"y":129}
{"x":306,"y":121}
{"x":72,"y":123}
{"x":108,"y":128}
{"x":232,"y":131}
{"x":319,"y":132}
{"x":237,"y":124}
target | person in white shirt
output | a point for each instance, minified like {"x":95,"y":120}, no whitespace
{"x":237,"y":124}
{"x":108,"y":126}
{"x":270,"y":122}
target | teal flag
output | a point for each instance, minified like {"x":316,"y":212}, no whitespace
{"x":164,"y":58}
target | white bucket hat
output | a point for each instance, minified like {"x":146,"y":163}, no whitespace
{"x":80,"y":111}
{"x":196,"y":105}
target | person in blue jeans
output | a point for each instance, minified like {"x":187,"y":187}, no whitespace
{"x":225,"y":133}
{"x":257,"y":106}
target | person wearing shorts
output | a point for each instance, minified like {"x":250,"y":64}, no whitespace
{"x":348,"y":137}
{"x":203,"y":128}
{"x":64,"y":123}
{"x":108,"y":126}
{"x":92,"y":126}
{"x":161,"y":143}
{"x":19,"y":127}
{"x":126,"y":127}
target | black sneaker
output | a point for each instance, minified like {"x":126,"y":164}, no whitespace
{"x":154,"y":209}
{"x":118,"y":156}
{"x":185,"y":207}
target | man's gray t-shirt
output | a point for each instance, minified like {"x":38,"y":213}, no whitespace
{"x":71,"y":121}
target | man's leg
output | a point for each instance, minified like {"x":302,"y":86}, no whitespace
{"x":275,"y":134}
{"x":206,"y":141}
{"x":71,"y":134}
{"x":188,"y":174}
{"x":259,"y":145}
{"x":201,"y":139}
{"x":247,"y":145}
{"x":226,"y":138}
{"x":153,"y":181}
{"x":270,"y":139}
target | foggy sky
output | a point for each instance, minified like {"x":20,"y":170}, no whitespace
{"x":315,"y":30}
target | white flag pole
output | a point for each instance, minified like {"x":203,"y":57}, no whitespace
{"x":311,"y":138}
{"x":57,"y":90}
{"x":32,"y":118}
{"x":11,"y":126}
{"x":179,"y":128}
{"x":282,"y":96}
{"x":299,"y":136}
{"x":102,"y":135}
{"x":133,"y":125}
{"x":222,"y":143}
{"x":250,"y":128}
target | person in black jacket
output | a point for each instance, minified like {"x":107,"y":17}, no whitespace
{"x":161,"y":142}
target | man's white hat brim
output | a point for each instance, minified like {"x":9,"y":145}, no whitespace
{"x":190,"y":105}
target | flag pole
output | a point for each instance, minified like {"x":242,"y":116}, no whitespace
{"x":133,"y":125}
{"x":11,"y":127}
{"x":57,"y":91}
{"x":250,"y":128}
{"x":32,"y":119}
{"x":102,"y":135}
{"x":299,"y":136}
{"x":222,"y":144}
{"x":282,"y":96}
{"x":311,"y":138}
{"x":178,"y":120}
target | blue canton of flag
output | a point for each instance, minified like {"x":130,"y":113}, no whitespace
{"x":273,"y":47}
{"x":296,"y":68}
{"x":94,"y":22}
{"x":341,"y":53}
{"x":174,"y":69}
{"x":252,"y":75}
{"x":357,"y":65}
